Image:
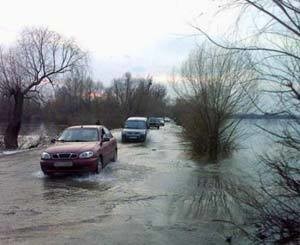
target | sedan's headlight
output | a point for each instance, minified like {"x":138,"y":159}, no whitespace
{"x":45,"y":156}
{"x":86,"y":154}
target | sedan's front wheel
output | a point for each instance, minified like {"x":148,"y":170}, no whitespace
{"x":115,"y":157}
{"x":99,"y":166}
{"x":47,"y":173}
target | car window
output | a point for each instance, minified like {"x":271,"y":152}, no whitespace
{"x":107,"y":132}
{"x":153,"y":119}
{"x":79,"y":134}
{"x":135,"y":124}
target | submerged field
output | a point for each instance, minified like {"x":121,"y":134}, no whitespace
{"x":154,"y":194}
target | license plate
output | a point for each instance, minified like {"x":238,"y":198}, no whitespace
{"x":132,"y":137}
{"x":63,"y":164}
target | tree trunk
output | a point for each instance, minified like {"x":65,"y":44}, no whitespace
{"x":213,"y":147}
{"x":14,"y":124}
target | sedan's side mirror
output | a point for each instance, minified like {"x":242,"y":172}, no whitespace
{"x":53,"y":141}
{"x":105,"y":138}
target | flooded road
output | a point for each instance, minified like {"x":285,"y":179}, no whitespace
{"x":153,"y":194}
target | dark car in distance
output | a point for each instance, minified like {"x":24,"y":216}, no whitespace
{"x":154,"y":122}
{"x":161,"y":121}
{"x":87,"y":148}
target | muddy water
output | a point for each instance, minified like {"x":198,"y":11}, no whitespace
{"x":154,"y":194}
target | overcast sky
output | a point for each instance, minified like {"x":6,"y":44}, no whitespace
{"x":145,"y":37}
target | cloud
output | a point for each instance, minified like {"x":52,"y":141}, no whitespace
{"x":145,"y":37}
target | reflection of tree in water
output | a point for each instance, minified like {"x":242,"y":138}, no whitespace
{"x":213,"y":196}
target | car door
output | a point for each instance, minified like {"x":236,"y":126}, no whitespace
{"x":105,"y":145}
{"x":108,"y":146}
{"x":112,"y":142}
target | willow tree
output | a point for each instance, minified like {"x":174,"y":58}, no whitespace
{"x":212,"y":87}
{"x":274,"y":28}
{"x":39,"y":56}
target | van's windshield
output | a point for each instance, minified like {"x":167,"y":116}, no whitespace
{"x":135,"y":124}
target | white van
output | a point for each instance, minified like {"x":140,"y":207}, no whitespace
{"x":135,"y":129}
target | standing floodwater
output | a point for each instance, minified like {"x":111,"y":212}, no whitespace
{"x":153,"y":195}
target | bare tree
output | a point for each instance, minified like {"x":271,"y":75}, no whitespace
{"x":137,"y":96}
{"x":275,"y":42}
{"x":212,"y":87}
{"x":40,"y":56}
{"x":81,"y":89}
{"x":77,"y":99}
{"x":80,"y":99}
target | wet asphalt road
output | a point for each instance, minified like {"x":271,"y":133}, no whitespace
{"x":153,"y":194}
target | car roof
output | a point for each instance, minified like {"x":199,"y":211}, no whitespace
{"x":87,"y":126}
{"x":137,"y":119}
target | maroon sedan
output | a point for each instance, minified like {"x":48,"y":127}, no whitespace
{"x":80,"y":149}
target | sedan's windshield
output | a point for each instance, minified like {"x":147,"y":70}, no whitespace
{"x":79,"y":135}
{"x":135,"y":124}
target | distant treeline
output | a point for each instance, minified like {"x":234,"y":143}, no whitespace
{"x":264,"y":116}
{"x":80,"y":100}
{"x":35,"y":112}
